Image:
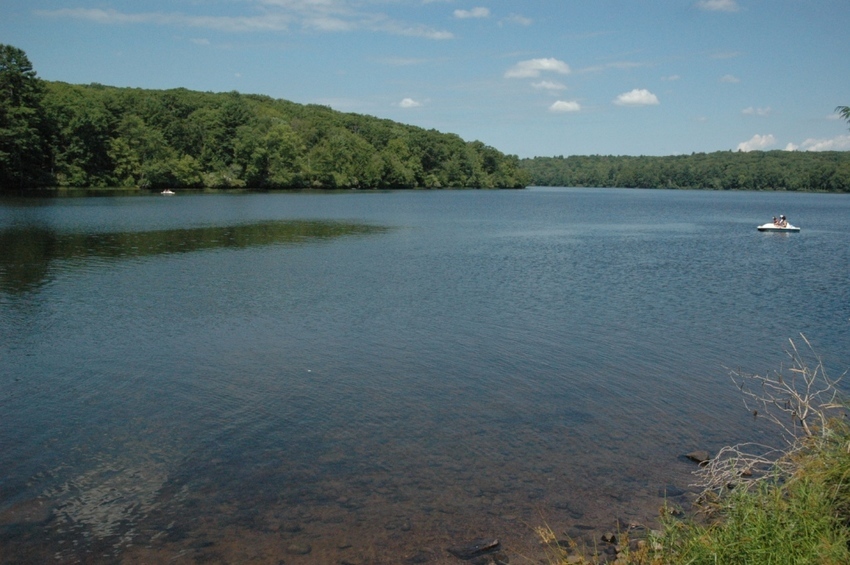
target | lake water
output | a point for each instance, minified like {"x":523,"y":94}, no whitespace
{"x":374,"y":377}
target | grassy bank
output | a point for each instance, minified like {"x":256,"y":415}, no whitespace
{"x":759,"y":505}
{"x":797,"y":518}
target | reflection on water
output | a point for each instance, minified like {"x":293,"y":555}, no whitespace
{"x":29,"y":253}
{"x":295,"y":392}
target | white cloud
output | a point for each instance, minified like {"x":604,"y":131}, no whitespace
{"x":412,"y":30}
{"x":625,"y":65}
{"x":329,"y":24}
{"x":473,"y":13}
{"x":718,"y":5}
{"x":671,"y":78}
{"x":757,"y":142}
{"x":548,"y":85}
{"x":533,"y":67}
{"x":637,"y":97}
{"x":276,"y":16}
{"x":838,"y":143}
{"x":565,"y":106}
{"x":731,"y":79}
{"x":517,"y":19}
{"x":757,"y":111}
{"x":409,"y":103}
{"x":267,"y":22}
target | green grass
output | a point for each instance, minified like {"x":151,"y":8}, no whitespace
{"x":798,"y":519}
{"x":791,"y":524}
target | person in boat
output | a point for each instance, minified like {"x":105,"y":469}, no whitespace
{"x":783,"y":222}
{"x":775,"y":221}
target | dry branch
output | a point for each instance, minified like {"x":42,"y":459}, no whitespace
{"x":801,"y":400}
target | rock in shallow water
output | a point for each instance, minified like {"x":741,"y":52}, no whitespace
{"x":670,"y":491}
{"x":469,"y":550}
{"x":700,"y":456}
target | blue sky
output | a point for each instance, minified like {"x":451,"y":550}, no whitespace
{"x":537,"y":77}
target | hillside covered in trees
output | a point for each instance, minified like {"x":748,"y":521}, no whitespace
{"x":827,"y":171}
{"x":54,"y":134}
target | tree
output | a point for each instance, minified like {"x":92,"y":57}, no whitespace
{"x":141,"y":156}
{"x":59,"y":134}
{"x":79,"y":130}
{"x":844,"y":112}
{"x":270,"y":160}
{"x":726,"y":170}
{"x":340,"y":160}
{"x":21,"y":148}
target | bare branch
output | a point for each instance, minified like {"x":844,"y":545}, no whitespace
{"x":801,"y":400}
{"x":740,"y":466}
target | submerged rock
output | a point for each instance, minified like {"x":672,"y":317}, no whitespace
{"x":699,"y":456}
{"x":475,"y":548}
{"x":291,"y":527}
{"x":670,"y":491}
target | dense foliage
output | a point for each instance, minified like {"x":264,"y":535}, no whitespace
{"x":22,"y":152}
{"x":57,"y":134}
{"x":725,"y":170}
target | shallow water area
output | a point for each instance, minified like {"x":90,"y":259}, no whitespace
{"x":376,"y":377}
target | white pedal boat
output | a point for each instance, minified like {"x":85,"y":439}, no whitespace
{"x":770,"y":226}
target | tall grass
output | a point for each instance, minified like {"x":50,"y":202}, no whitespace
{"x":802,"y":518}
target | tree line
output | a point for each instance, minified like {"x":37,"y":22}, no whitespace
{"x":54,"y":134}
{"x":826,"y":171}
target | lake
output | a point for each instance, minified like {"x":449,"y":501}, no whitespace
{"x":372,"y":377}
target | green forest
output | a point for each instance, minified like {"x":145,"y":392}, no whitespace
{"x":827,"y":171}
{"x":54,"y":134}
{"x":59,"y":135}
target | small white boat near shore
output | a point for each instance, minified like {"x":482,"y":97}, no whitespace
{"x":167,"y":192}
{"x":770,"y":226}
